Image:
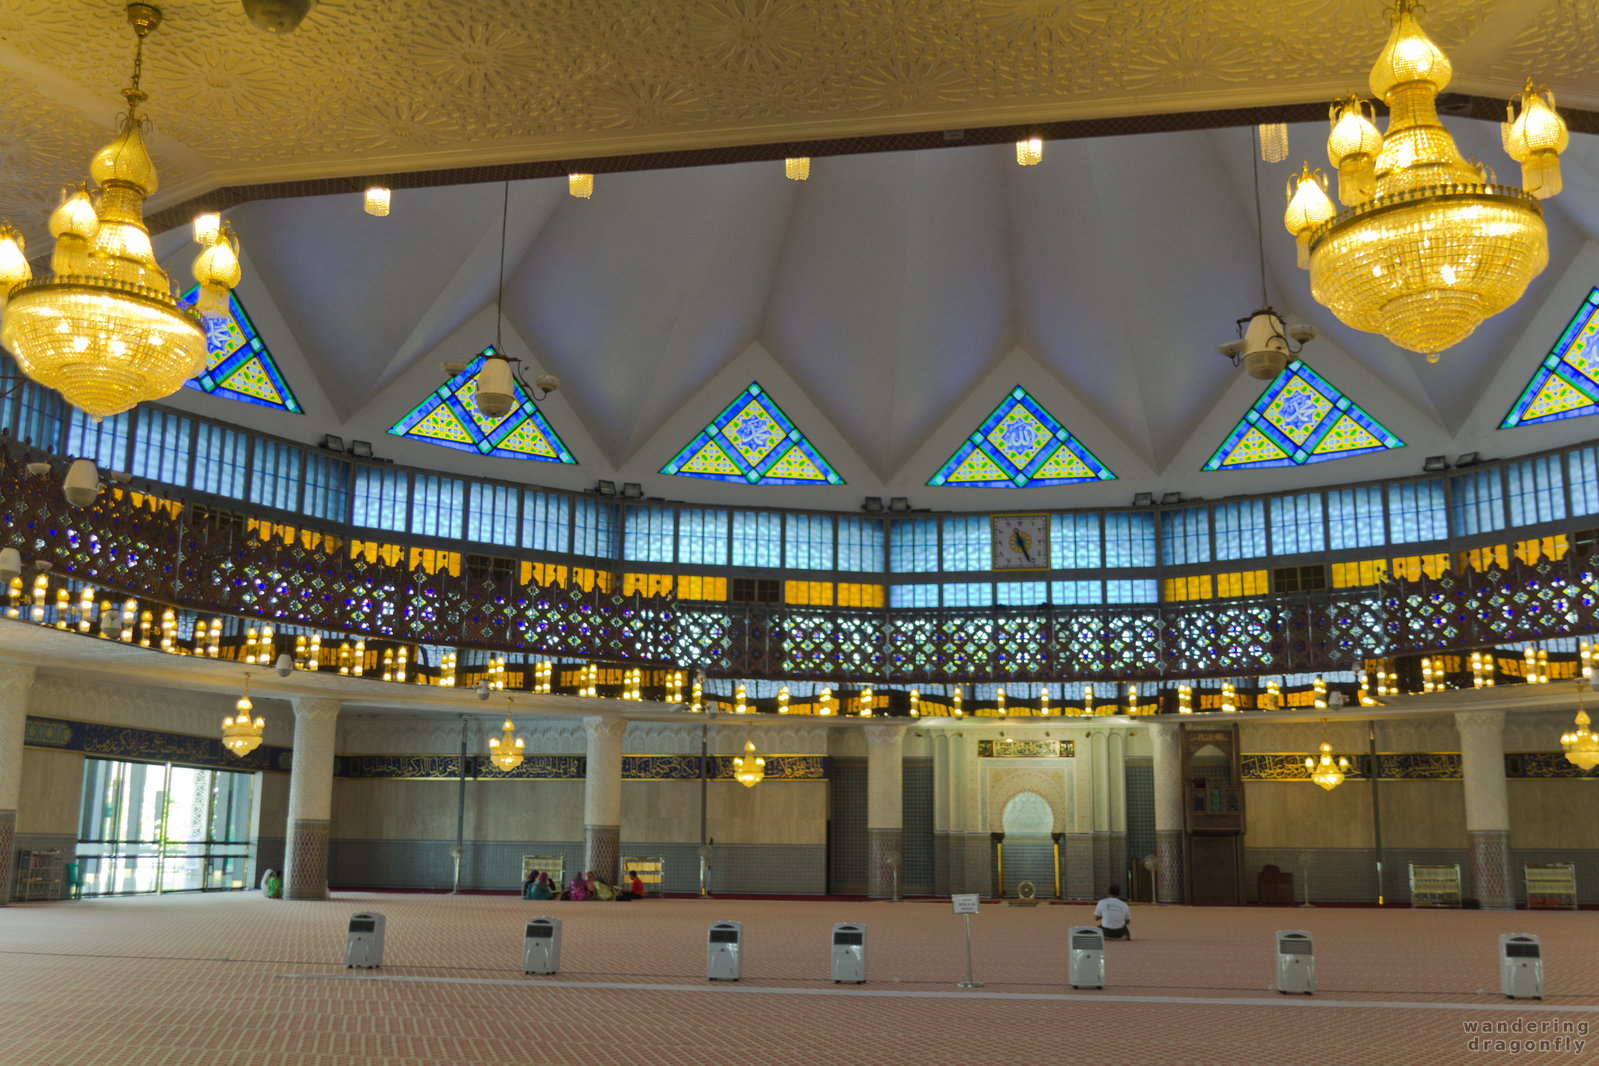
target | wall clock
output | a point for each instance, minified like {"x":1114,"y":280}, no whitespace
{"x":1021,"y":541}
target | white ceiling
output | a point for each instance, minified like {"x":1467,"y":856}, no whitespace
{"x":888,"y":303}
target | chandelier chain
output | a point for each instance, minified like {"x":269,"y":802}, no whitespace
{"x":1260,"y":228}
{"x":499,"y":296}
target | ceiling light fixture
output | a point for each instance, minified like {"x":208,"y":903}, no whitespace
{"x":1030,"y":153}
{"x":1264,"y":343}
{"x":104,"y":328}
{"x":580,"y":185}
{"x":1273,"y":141}
{"x":797,"y":168}
{"x":240,"y":733}
{"x":1428,"y":244}
{"x":377,"y":201}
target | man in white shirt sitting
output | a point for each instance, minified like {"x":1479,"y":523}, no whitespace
{"x":1114,"y":915}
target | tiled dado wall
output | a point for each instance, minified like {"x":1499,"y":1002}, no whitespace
{"x":496,"y":865}
{"x":1349,"y":875}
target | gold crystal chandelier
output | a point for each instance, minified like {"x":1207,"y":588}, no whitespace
{"x":240,"y":733}
{"x":749,"y":769}
{"x":104,"y":328}
{"x":1427,"y":244}
{"x":1326,"y":771}
{"x":505,"y":750}
{"x":1582,"y":746}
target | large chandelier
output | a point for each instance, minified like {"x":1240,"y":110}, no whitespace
{"x":749,"y":769}
{"x":1326,"y":771}
{"x":1582,"y":745}
{"x":1427,"y":244}
{"x":240,"y":733}
{"x":104,"y":328}
{"x":505,"y":750}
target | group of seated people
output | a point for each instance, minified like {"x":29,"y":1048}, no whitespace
{"x":539,"y":885}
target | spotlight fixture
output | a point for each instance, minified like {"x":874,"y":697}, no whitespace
{"x":899,"y":503}
{"x":632,"y":490}
{"x":872,"y":504}
{"x":332,"y":443}
{"x":1168,"y":498}
{"x":361,"y":449}
{"x":1468,"y":459}
{"x":1434,"y":464}
{"x":605,"y":488}
{"x":1143,"y":499}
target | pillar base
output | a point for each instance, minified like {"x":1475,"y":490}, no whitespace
{"x":306,"y":859}
{"x":1488,"y":861}
{"x":602,"y":850}
{"x":883,"y":866}
{"x":8,"y":837}
{"x":1169,"y":865}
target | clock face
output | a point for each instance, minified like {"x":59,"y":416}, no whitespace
{"x":1021,"y":541}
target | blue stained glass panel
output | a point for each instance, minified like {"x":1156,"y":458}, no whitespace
{"x":753,"y":442}
{"x":238,"y":364}
{"x":448,"y":417}
{"x":1566,"y":383}
{"x":1020,"y":445}
{"x":1300,"y":419}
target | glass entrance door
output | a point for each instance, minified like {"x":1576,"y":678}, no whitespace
{"x":156,"y":827}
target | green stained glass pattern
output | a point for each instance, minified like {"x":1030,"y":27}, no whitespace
{"x":449,"y":417}
{"x":754,"y":442}
{"x":1566,"y":383}
{"x":1347,"y":435}
{"x":238,"y":365}
{"x":1020,"y":445}
{"x":1300,"y":418}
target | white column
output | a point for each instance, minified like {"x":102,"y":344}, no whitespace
{"x":16,"y":681}
{"x":310,"y":799}
{"x":1482,"y":770}
{"x":885,"y":805}
{"x":1166,"y":737}
{"x":602,"y":797}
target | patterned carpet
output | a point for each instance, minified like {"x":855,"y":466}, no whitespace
{"x":238,"y":979}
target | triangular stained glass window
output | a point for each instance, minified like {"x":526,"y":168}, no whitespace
{"x":752,"y":441}
{"x":237,"y":363}
{"x":1300,"y":419}
{"x":1566,"y":384}
{"x":449,"y":417}
{"x":1020,"y":445}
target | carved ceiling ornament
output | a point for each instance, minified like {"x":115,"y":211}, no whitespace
{"x":498,"y":82}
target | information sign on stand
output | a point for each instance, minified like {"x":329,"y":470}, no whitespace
{"x":966,"y":905}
